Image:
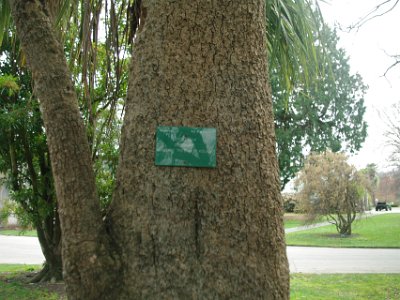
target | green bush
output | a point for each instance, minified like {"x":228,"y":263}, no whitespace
{"x":289,"y":206}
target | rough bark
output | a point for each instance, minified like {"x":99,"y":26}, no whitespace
{"x":181,"y":233}
{"x":192,"y":233}
{"x":86,"y":247}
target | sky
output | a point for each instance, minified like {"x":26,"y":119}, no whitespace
{"x":368,"y":49}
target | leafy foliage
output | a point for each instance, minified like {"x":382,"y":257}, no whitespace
{"x":326,"y":113}
{"x":99,"y":69}
{"x":23,"y":149}
{"x":329,"y":186}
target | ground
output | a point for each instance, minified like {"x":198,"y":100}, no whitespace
{"x":23,"y":278}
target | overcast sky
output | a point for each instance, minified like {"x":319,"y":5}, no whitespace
{"x":368,"y":50}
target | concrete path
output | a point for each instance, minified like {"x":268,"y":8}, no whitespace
{"x":306,"y":227}
{"x":20,"y":250}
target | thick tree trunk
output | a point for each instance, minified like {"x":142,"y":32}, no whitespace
{"x":193,"y":233}
{"x":86,"y":247}
{"x":182,"y":233}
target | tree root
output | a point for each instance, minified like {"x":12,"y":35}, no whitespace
{"x":47,"y":275}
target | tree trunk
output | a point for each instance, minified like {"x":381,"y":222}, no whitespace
{"x":49,"y":235}
{"x":86,"y":247}
{"x":345,"y":230}
{"x":196,"y":233}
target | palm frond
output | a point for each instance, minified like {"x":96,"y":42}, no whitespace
{"x":64,"y":9}
{"x":292,"y":34}
{"x":5,"y":17}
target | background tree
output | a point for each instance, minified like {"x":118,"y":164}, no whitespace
{"x":389,"y":187}
{"x":24,"y":158}
{"x":329,"y":186}
{"x":324,"y":113}
{"x":392,"y":134}
{"x":178,"y":232}
{"x":371,"y":180}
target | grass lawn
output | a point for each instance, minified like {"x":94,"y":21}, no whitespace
{"x":381,"y":231}
{"x":345,"y":286}
{"x":17,"y":291}
{"x":18,"y":232}
{"x":15,"y":268}
{"x":293,"y":223}
{"x":295,"y":220}
{"x":14,"y":286}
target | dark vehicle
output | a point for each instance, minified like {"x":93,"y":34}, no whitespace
{"x":382,"y":205}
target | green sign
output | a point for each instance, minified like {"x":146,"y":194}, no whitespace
{"x":186,"y":146}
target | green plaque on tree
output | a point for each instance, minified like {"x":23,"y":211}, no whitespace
{"x":186,"y":146}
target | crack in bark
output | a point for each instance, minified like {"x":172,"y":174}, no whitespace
{"x":197,"y":228}
{"x":154,"y":252}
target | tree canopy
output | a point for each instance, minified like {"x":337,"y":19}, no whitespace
{"x":325,"y":113}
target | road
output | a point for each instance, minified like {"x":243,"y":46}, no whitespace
{"x":26,"y":250}
{"x":343,"y":260}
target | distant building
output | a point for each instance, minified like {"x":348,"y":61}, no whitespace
{"x":3,"y":195}
{"x":3,"y":199}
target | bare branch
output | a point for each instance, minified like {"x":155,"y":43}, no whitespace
{"x":391,"y":67}
{"x":373,"y":14}
{"x":392,"y":133}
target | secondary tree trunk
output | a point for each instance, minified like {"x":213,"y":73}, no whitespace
{"x":192,"y":233}
{"x":49,"y":235}
{"x":86,"y":248}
